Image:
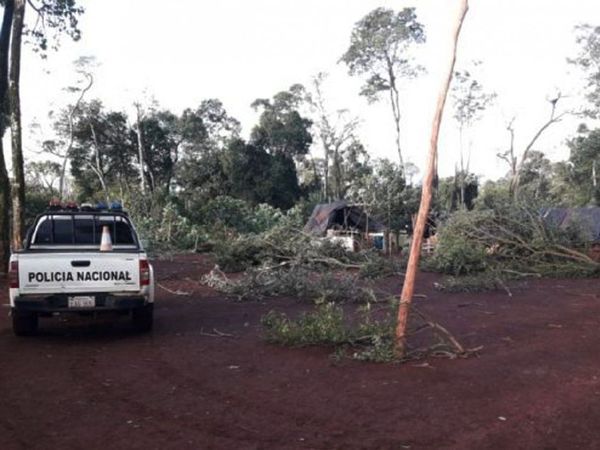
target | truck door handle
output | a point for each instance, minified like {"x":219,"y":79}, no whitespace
{"x":80,"y":263}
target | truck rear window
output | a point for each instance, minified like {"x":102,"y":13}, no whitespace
{"x":81,"y":230}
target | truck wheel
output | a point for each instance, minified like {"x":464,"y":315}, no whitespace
{"x":143,"y":317}
{"x":24,"y":323}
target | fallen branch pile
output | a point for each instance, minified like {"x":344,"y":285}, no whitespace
{"x":283,"y":245}
{"x":288,"y":262}
{"x":298,"y":281}
{"x":515,"y":242}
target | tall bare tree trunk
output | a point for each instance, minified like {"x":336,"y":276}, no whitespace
{"x":337,"y":174}
{"x":18,"y":187}
{"x":141,"y":150}
{"x":415,"y":248}
{"x":326,"y":173}
{"x":5,"y":203}
{"x":462,"y":178}
{"x":97,"y":166}
{"x":67,"y":155}
{"x":515,"y":182}
{"x":395,"y":102}
{"x":4,"y":213}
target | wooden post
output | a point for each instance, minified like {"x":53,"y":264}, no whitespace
{"x":415,"y":248}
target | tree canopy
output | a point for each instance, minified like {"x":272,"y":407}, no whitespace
{"x":380,"y":50}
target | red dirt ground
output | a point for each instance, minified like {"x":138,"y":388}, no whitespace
{"x":85,"y":384}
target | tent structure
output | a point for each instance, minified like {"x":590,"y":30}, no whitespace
{"x":341,"y":216}
{"x":586,"y":220}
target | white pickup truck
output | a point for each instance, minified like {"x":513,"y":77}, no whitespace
{"x":63,"y":270}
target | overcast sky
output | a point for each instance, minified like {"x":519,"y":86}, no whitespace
{"x":183,"y":51}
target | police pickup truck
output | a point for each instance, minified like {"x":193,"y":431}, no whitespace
{"x":83,"y":261}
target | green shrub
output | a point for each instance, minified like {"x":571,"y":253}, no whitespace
{"x":455,"y":253}
{"x":227,"y":212}
{"x":169,"y":231}
{"x":458,"y":256}
{"x":264,"y":217}
{"x":362,"y":337}
{"x":235,"y":214}
{"x":325,"y":325}
{"x":239,"y":253}
{"x":366,"y":340}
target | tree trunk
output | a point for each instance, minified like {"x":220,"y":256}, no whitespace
{"x":515,"y":182}
{"x":140,"y":142}
{"x":4,"y":213}
{"x":63,"y":173}
{"x":415,"y":248}
{"x":4,"y":47}
{"x":18,"y":187}
{"x":97,"y":166}
{"x":337,"y":175}
{"x":5,"y":203}
{"x":462,"y":177}
{"x":326,"y":172}
{"x":67,"y":154}
{"x":395,"y":102}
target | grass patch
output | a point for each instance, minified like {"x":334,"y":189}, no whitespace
{"x":362,"y":336}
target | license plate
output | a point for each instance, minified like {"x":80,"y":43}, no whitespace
{"x":82,"y":302}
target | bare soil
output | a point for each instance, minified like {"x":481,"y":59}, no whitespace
{"x":85,"y":383}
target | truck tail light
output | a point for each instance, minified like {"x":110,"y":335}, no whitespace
{"x":144,"y":272}
{"x":13,"y":275}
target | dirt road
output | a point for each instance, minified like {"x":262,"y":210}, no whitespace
{"x":83,"y":384}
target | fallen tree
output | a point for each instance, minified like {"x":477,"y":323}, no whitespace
{"x":304,"y":282}
{"x":286,"y":246}
{"x":288,"y":263}
{"x":511,"y":242}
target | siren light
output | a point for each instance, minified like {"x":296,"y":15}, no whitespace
{"x":116,"y":206}
{"x":72,"y":206}
{"x":54,"y":205}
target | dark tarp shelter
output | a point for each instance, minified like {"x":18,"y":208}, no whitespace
{"x":586,"y":220}
{"x":339,"y":215}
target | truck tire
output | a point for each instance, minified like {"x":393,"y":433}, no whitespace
{"x":24,"y":323}
{"x":143,"y":318}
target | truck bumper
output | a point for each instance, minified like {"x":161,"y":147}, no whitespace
{"x":60,"y":303}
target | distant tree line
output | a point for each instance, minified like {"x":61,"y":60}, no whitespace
{"x":300,"y":151}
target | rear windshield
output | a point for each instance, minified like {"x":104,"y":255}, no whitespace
{"x":82,"y":230}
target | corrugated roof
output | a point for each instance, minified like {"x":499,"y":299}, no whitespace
{"x":586,"y":219}
{"x":340,"y":214}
